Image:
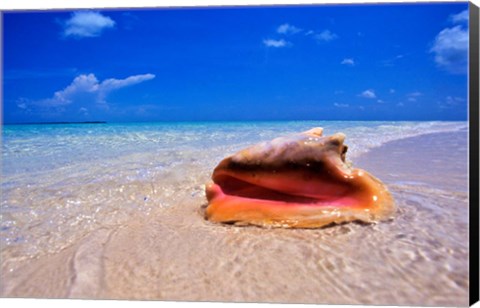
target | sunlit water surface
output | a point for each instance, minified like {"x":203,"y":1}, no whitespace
{"x":62,"y":182}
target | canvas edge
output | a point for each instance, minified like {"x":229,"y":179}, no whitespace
{"x":474,"y":118}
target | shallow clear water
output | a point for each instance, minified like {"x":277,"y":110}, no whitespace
{"x":32,"y":148}
{"x":62,"y":183}
{"x":61,"y":180}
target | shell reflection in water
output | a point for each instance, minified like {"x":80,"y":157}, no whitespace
{"x":300,"y":181}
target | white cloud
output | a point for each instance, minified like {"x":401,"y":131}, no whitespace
{"x":87,"y":24}
{"x":275,"y":43}
{"x":23,"y":103}
{"x":87,"y":87}
{"x":451,"y":45}
{"x":461,"y":17}
{"x":392,"y":61}
{"x":326,"y":36}
{"x":368,"y":94}
{"x":339,"y":105}
{"x":392,"y":91}
{"x":454,"y":99}
{"x":451,"y":101}
{"x":348,"y":61}
{"x":288,"y":29}
{"x":112,"y":84}
{"x":412,"y":97}
{"x":83,"y":111}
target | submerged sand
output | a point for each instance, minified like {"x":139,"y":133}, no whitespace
{"x":418,"y":258}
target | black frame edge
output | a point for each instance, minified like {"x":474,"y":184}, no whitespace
{"x":474,"y":118}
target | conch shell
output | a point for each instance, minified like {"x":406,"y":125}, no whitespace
{"x":297,"y":181}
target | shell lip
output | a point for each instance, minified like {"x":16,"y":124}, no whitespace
{"x":312,"y":194}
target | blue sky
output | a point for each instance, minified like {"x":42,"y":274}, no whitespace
{"x":324,"y":62}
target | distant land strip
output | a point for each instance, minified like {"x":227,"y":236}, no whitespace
{"x":49,"y":123}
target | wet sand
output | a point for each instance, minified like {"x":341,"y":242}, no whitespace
{"x":418,"y":258}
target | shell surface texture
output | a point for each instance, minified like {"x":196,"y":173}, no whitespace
{"x":297,"y":181}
